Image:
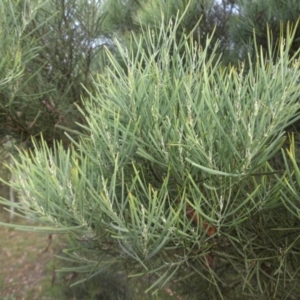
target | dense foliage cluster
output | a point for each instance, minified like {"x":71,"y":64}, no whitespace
{"x":173,"y":153}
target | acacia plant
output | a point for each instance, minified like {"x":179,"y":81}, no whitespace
{"x":173,"y":176}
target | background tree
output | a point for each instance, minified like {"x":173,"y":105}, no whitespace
{"x":133,"y":15}
{"x":64,"y":39}
{"x":256,"y":17}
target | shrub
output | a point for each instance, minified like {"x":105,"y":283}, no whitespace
{"x":172,"y":177}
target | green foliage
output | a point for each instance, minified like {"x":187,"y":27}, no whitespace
{"x":261,"y":18}
{"x":169,"y":10}
{"x":173,"y":176}
{"x":138,"y":15}
{"x":13,"y":54}
{"x":52,"y":47}
{"x":55,"y":45}
{"x":290,"y":184}
{"x":12,"y":28}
